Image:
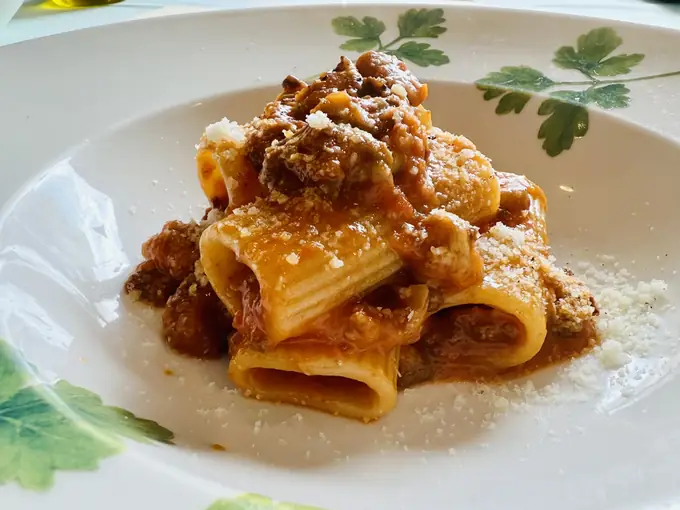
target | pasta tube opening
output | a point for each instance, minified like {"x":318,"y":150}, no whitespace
{"x":512,"y":294}
{"x":303,"y":389}
{"x":476,"y":335}
{"x":360,"y":385}
{"x":303,"y":257}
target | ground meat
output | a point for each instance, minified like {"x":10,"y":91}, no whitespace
{"x":174,"y":250}
{"x":374,"y":87}
{"x":267,"y":128}
{"x":331,"y":159}
{"x":441,"y":251}
{"x":373,"y":137}
{"x":344,"y":77}
{"x":468,"y":336}
{"x":394,"y":72}
{"x":407,"y":138}
{"x":150,"y":285}
{"x":413,"y":367}
{"x":515,"y":196}
{"x":195,"y":323}
{"x":360,"y":112}
{"x":571,"y":305}
{"x":287,"y":113}
{"x":291,"y":86}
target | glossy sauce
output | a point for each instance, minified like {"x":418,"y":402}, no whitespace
{"x":453,"y":351}
{"x":444,"y":349}
{"x":248,"y":321}
{"x":389,"y":316}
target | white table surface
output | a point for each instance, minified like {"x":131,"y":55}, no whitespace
{"x":32,"y":20}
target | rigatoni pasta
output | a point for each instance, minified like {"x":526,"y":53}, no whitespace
{"x":510,"y":326}
{"x":307,"y":259}
{"x":463,"y":178}
{"x":357,"y":249}
{"x":361,"y":385}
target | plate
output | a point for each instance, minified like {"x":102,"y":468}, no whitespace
{"x":98,"y":151}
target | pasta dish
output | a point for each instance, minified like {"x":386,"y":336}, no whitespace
{"x":352,"y":249}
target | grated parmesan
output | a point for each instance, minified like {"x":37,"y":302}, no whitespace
{"x":225,"y":130}
{"x":612,"y":355}
{"x":630,"y":328}
{"x":318,"y":120}
{"x":510,"y":234}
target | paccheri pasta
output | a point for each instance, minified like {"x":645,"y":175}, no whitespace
{"x":353,"y":248}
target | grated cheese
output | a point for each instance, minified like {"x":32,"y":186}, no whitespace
{"x":630,"y":328}
{"x":318,"y":120}
{"x":225,"y":131}
{"x":612,"y":355}
{"x":510,"y":234}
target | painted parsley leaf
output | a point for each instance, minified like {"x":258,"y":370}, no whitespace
{"x":420,"y":54}
{"x":571,"y":96}
{"x":36,"y":439}
{"x":590,"y":52}
{"x":567,"y":119}
{"x":44,"y":428}
{"x":12,"y":375}
{"x":114,"y":420}
{"x":511,"y":84}
{"x":255,"y":502}
{"x":366,"y":32}
{"x":610,"y":96}
{"x":421,"y":23}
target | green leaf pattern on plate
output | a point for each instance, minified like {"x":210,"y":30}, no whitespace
{"x":255,"y":502}
{"x":12,"y":375}
{"x":566,"y":121}
{"x":509,"y":84}
{"x":566,"y":111}
{"x":610,"y":96}
{"x":589,"y":55}
{"x":421,"y":23}
{"x":46,"y":428}
{"x":366,"y":35}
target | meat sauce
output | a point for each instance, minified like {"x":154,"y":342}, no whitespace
{"x":389,"y":316}
{"x":376,"y":158}
{"x":455,"y":342}
{"x":195,"y":322}
{"x":386,"y":318}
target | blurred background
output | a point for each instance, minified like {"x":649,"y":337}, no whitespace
{"x":20,"y":21}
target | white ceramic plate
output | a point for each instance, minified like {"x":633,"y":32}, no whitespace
{"x":98,"y":131}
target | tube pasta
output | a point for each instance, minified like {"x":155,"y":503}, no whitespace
{"x":225,"y":174}
{"x":513,"y":283}
{"x":353,"y":244}
{"x":360,"y":385}
{"x":210,"y":176}
{"x":464,"y":180}
{"x":307,"y":258}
